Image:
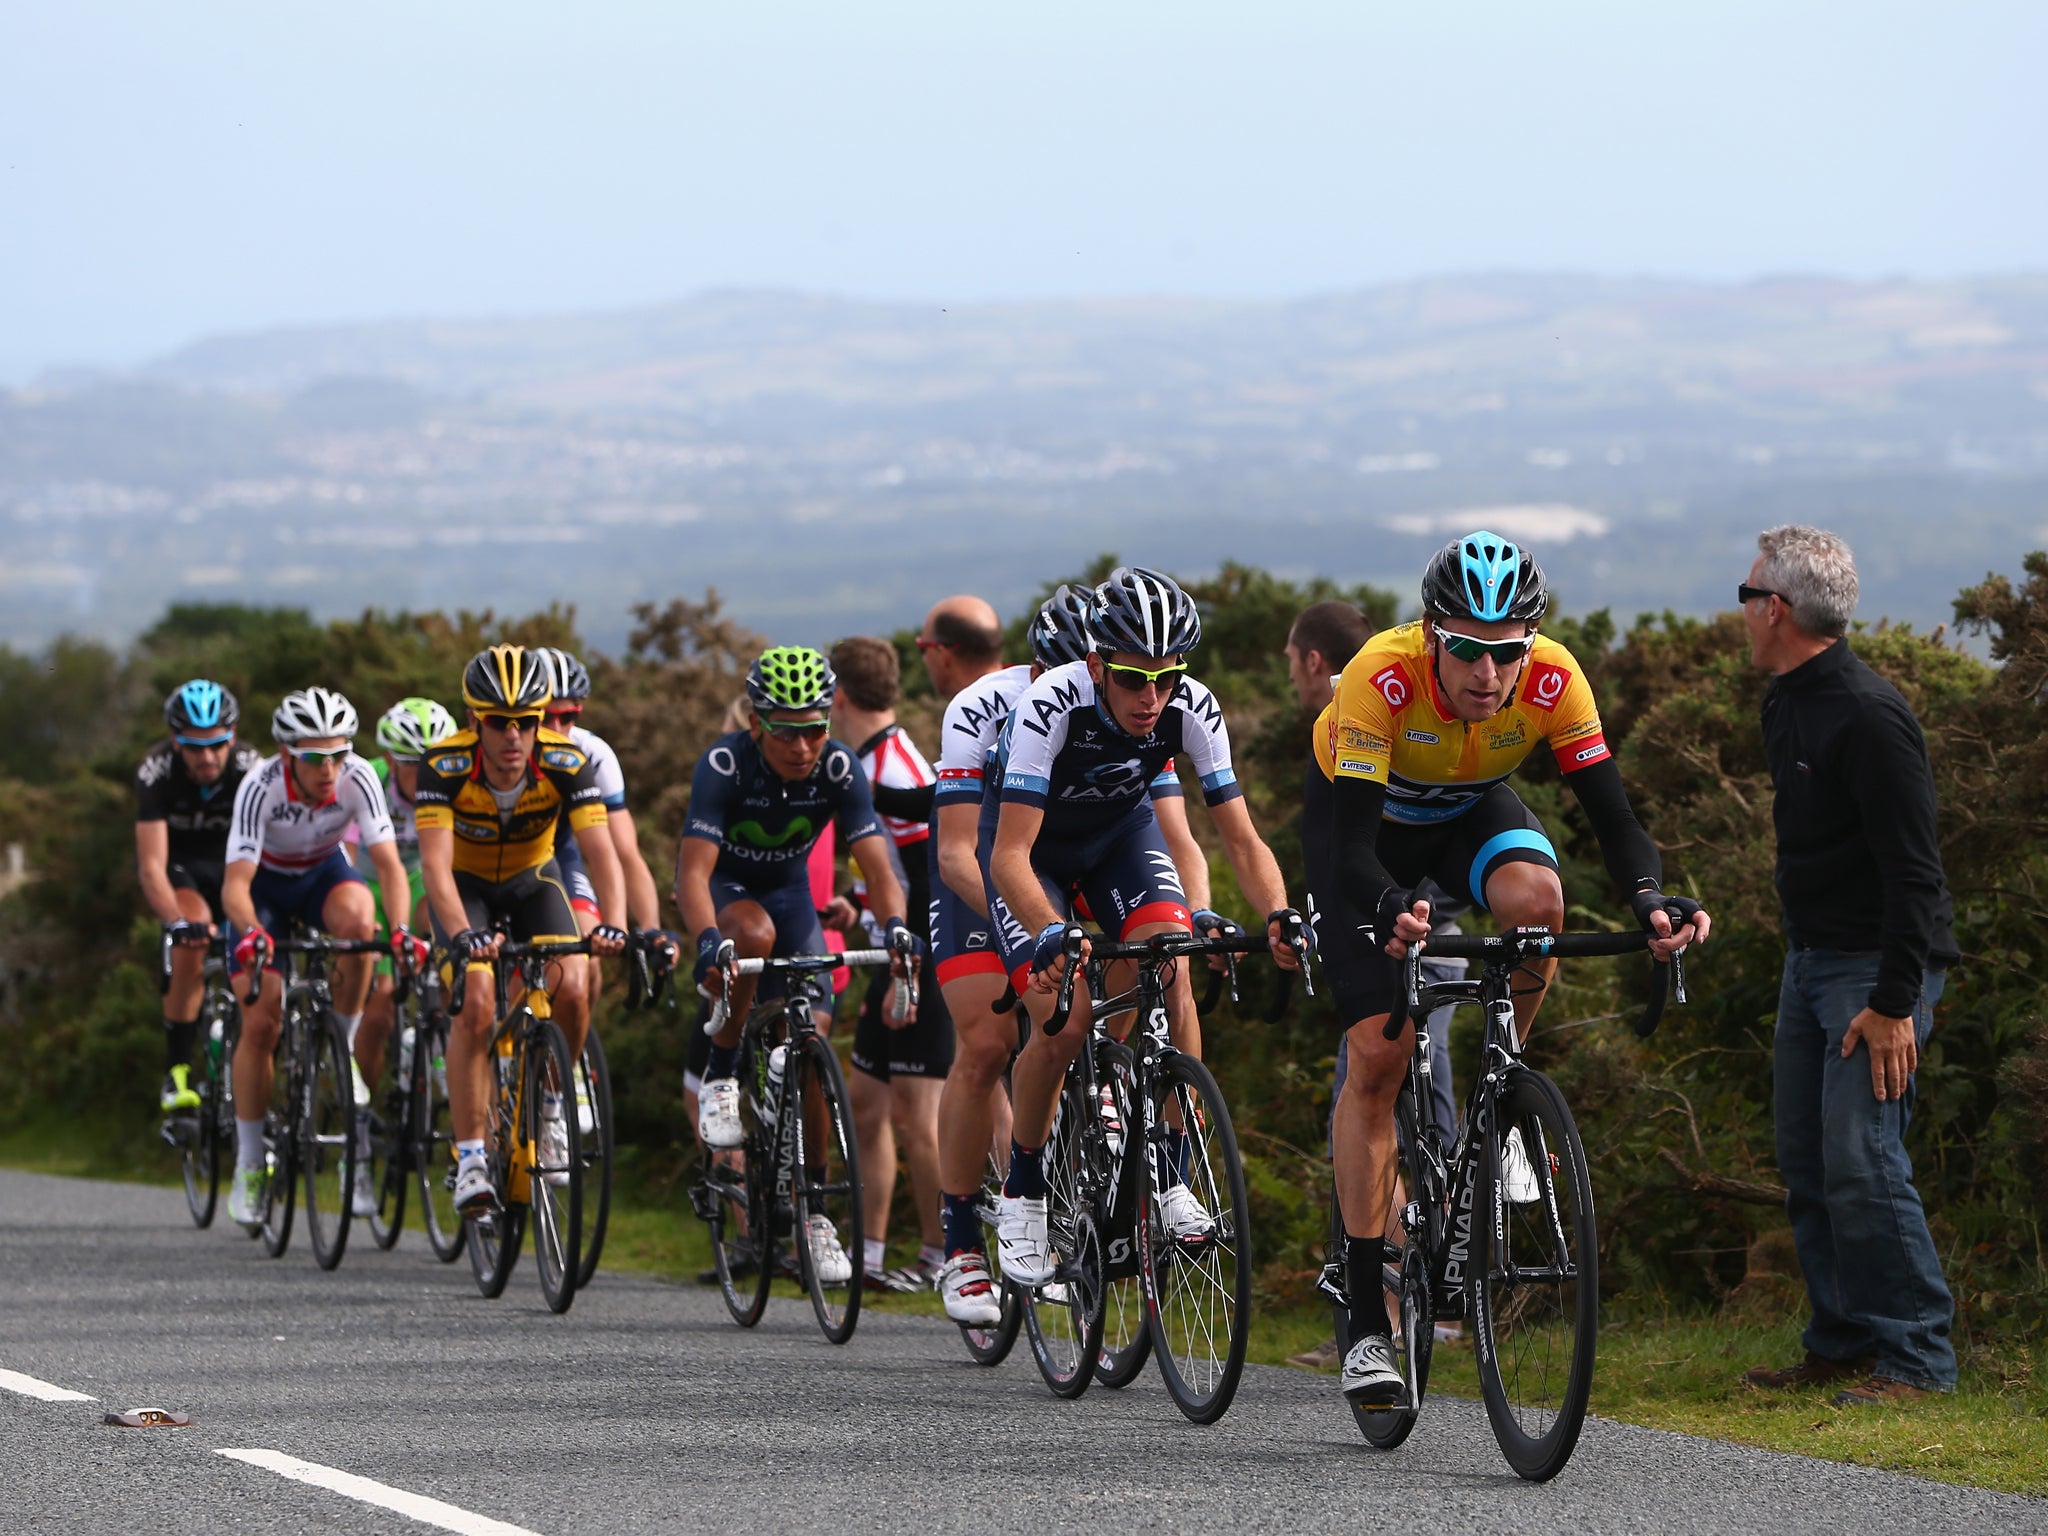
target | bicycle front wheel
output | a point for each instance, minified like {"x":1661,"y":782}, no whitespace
{"x":1126,"y":1337}
{"x":433,"y":1142}
{"x":1063,"y":1317}
{"x":827,"y":1227}
{"x":1197,"y":1240}
{"x":281,"y":1148}
{"x":496,"y":1233}
{"x":1406,"y":1292}
{"x":1536,"y":1278}
{"x":551,"y":1140}
{"x":196,"y":1134}
{"x":327,"y":1139}
{"x":731,"y":1197}
{"x":594,"y":1121}
{"x":387,"y":1144}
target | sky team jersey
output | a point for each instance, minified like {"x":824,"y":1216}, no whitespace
{"x":1060,"y":751}
{"x":496,"y":841}
{"x":1388,"y":724}
{"x":196,"y":816}
{"x":764,"y":825}
{"x":281,"y":829}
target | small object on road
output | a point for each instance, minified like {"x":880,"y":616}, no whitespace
{"x":148,"y":1418}
{"x":1325,"y":1356}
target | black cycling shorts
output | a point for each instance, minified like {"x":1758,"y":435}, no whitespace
{"x":1458,"y":855}
{"x":202,"y":876}
{"x":533,"y":905}
{"x":921,"y":1048}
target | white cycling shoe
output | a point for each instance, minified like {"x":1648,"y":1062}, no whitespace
{"x":554,"y":1146}
{"x":363,"y":1200}
{"x":245,"y":1198}
{"x":828,"y":1258}
{"x":1024,"y":1240}
{"x":970,"y":1294}
{"x":718,"y":1113}
{"x":1185,"y":1216}
{"x":473,"y":1192}
{"x":1517,"y":1177}
{"x":1371,"y":1379}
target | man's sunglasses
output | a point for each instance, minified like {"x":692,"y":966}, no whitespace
{"x":797,"y":730}
{"x":322,"y":755}
{"x":506,"y":724}
{"x":1505,"y":653}
{"x":1745,"y":592}
{"x":210,"y":744}
{"x":565,"y":712}
{"x":930,"y":645}
{"x":1137,"y":679}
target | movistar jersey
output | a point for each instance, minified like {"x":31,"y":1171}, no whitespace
{"x":764,"y":824}
{"x":1389,"y":724}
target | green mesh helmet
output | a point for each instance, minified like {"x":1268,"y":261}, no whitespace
{"x":411,"y":726}
{"x":791,"y":677}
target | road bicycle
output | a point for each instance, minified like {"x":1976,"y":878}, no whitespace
{"x":309,"y":1131}
{"x":795,"y":1183}
{"x":202,"y":1136}
{"x":1499,"y":1228}
{"x":395,"y":1145}
{"x":1145,"y":1192}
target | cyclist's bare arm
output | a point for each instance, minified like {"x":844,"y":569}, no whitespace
{"x":601,"y":861}
{"x":642,"y":902}
{"x":885,"y":891}
{"x":393,"y":884}
{"x":958,"y":831}
{"x":234,"y":894}
{"x":1188,"y":858}
{"x":437,"y":873}
{"x":1258,"y":872}
{"x":694,"y":862}
{"x":153,"y":869}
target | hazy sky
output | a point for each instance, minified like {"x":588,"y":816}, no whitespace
{"x":171,"y":170}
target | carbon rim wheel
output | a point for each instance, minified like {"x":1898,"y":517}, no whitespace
{"x":731,"y":1196}
{"x":594,"y":1121}
{"x":1063,"y":1317}
{"x":496,"y":1233}
{"x":196,"y":1134}
{"x":1406,"y":1288}
{"x":1536,"y":1302}
{"x":433,"y":1150}
{"x":827,"y":1185}
{"x":280,"y":1149}
{"x":1198,"y":1285}
{"x":555,"y":1180}
{"x":327,"y":1140}
{"x":1126,"y":1336}
{"x":388,"y":1149}
{"x":992,"y":1345}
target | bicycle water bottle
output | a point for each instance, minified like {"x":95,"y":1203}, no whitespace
{"x":216,"y":1043}
{"x":405,"y":1043}
{"x":778,"y":1060}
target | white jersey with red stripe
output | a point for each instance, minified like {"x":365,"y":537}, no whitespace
{"x":281,"y":829}
{"x":974,"y":719}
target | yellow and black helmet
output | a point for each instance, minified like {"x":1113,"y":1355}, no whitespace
{"x":508,"y":679}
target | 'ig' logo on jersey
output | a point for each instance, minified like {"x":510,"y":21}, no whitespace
{"x":1393,"y":685}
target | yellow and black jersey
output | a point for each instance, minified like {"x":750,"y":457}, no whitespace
{"x":494,"y":841}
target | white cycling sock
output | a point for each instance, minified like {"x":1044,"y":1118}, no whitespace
{"x":248,"y":1143}
{"x":465,"y":1150}
{"x":933,"y":1256}
{"x":350,"y":1023}
{"x":876,"y":1253}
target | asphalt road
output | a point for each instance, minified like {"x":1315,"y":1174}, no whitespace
{"x":645,"y":1409}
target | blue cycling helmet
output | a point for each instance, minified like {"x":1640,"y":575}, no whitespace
{"x":1486,"y":577}
{"x":201,"y":706}
{"x":1059,"y":630}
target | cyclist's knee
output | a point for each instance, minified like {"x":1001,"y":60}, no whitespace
{"x":1526,"y":896}
{"x":1373,"y":1064}
{"x":749,"y":927}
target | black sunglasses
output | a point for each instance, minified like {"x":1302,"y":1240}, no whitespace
{"x":504,"y":724}
{"x":1137,"y":679}
{"x":797,"y":730}
{"x":1745,"y":592}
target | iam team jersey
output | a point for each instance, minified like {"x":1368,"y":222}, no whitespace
{"x":764,"y":825}
{"x":1060,"y":751}
{"x":1388,"y":724}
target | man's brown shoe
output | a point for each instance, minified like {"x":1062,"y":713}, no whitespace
{"x":1813,"y":1371}
{"x":1325,"y":1356}
{"x":1879,"y":1391}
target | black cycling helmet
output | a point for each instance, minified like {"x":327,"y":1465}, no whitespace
{"x":1059,"y":630}
{"x":569,"y":678}
{"x":201,"y":706}
{"x":507,"y":679}
{"x":1144,"y":613}
{"x":1486,"y":577}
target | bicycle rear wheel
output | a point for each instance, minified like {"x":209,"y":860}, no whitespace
{"x":496,"y":1233}
{"x":992,"y":1345}
{"x":389,"y":1146}
{"x":1198,"y":1280}
{"x":433,"y":1141}
{"x":594,"y":1120}
{"x":555,"y":1181}
{"x":280,"y":1149}
{"x":196,"y":1135}
{"x":827,"y":1225}
{"x":1536,"y":1277}
{"x":1063,"y":1317}
{"x":1126,"y":1337}
{"x":327,"y":1139}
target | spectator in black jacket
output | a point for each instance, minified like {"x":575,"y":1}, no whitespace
{"x":1867,"y":914}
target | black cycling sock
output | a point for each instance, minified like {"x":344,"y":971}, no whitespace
{"x":179,"y":1038}
{"x":963,"y":1224}
{"x":1027,"y":1173}
{"x":724,"y":1062}
{"x":1368,"y":1304}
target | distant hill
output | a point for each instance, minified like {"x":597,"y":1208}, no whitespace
{"x":831,"y":463}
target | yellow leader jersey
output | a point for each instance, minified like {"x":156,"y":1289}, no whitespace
{"x":495,"y":839}
{"x":1388,"y":724}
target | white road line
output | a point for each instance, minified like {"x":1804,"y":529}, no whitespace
{"x":28,"y":1386}
{"x":413,"y":1505}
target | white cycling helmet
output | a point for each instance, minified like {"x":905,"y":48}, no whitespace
{"x":312,"y":713}
{"x":411,"y":726}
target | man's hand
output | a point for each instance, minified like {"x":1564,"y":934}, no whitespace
{"x":474,"y":944}
{"x":607,"y":939}
{"x":1407,"y":920}
{"x":408,"y":951}
{"x":252,"y":949}
{"x":1653,"y":910}
{"x":1048,"y":956}
{"x":1283,"y":929}
{"x":1894,"y":1053}
{"x":840,"y":915}
{"x":190,"y":935}
{"x":714,"y":953}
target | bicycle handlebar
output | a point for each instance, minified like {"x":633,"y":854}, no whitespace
{"x":1519,"y":944}
{"x":1159,"y":947}
{"x":800,"y":965}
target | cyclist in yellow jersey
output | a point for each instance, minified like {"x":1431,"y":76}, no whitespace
{"x":1428,"y":723}
{"x":486,"y":805}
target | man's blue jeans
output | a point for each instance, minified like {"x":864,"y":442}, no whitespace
{"x":1872,"y":1274}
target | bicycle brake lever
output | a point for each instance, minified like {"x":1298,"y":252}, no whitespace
{"x":1071,"y":950}
{"x":1230,"y":970}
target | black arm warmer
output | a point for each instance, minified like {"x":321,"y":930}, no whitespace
{"x":905,"y":804}
{"x":1355,"y":830}
{"x":917,"y":892}
{"x":1632,"y":858}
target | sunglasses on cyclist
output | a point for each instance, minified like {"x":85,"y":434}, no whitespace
{"x":322,"y":755}
{"x":930,"y":645}
{"x":564,"y":711}
{"x":209,"y":744}
{"x":505,"y":724}
{"x":1137,"y":679}
{"x":797,"y":730}
{"x":1505,"y":653}
{"x":1745,"y":592}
